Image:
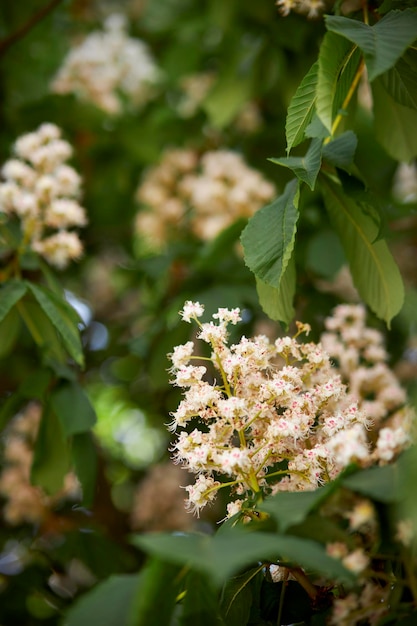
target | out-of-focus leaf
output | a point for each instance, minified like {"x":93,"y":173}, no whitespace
{"x":9,"y":331}
{"x":301,"y":109}
{"x":305,"y":168}
{"x":374,"y":271}
{"x":401,"y":81}
{"x":382,"y":44}
{"x":268,"y":239}
{"x":383,"y":484}
{"x":108,"y":603}
{"x":10,"y":293}
{"x":63,"y":317}
{"x":74,"y":409}
{"x":237,"y":598}
{"x":200,"y":606}
{"x":399,"y":137}
{"x":35,"y":384}
{"x":84,"y":458}
{"x":153,"y":603}
{"x":52,"y":455}
{"x":324,"y":254}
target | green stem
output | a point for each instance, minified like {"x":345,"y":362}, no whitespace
{"x":348,"y":98}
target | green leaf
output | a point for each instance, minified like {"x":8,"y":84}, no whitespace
{"x":336,"y":54}
{"x":63,"y":317}
{"x":278,"y":303}
{"x":341,"y":150}
{"x":154,"y":601}
{"x":224,"y":554}
{"x":293,"y":507}
{"x":401,"y":83}
{"x":237,"y":600}
{"x":375,"y":274}
{"x":35,"y":384}
{"x":324,"y":254}
{"x":52,"y":457}
{"x":399,"y":137}
{"x":42,"y":331}
{"x":301,"y":109}
{"x":73,"y":407}
{"x":305,"y":168}
{"x":383,"y":484}
{"x":268,"y":239}
{"x":84,"y":458}
{"x":9,"y":331}
{"x":10,"y":293}
{"x":107,"y":604}
{"x":200,"y":606}
{"x":382,"y":44}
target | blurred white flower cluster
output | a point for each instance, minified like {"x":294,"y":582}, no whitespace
{"x":405,"y":183}
{"x":42,"y":191}
{"x":311,"y":8}
{"x":202,"y":194}
{"x":278,"y":416}
{"x":24,"y":502}
{"x":109,"y":69}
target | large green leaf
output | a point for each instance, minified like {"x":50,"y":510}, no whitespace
{"x":374,"y":271}
{"x":226,"y":553}
{"x":401,"y":82}
{"x":336,"y":54}
{"x":108,"y":603}
{"x":74,"y":409}
{"x":278,"y":303}
{"x":200,"y":606}
{"x":154,"y":600}
{"x":399,"y":136}
{"x":383,"y":484}
{"x":52,"y":455}
{"x":268,"y":239}
{"x":236,"y":600}
{"x":63,"y":317}
{"x":305,"y":168}
{"x":10,"y":293}
{"x":382,"y":44}
{"x":301,"y":109}
{"x":293,"y":507}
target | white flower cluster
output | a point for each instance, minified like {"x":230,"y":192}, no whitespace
{"x":361,"y":359}
{"x":279,"y":418}
{"x":311,"y":8}
{"x":109,"y":68}
{"x":24,"y":502}
{"x":42,"y":192}
{"x":202,"y":194}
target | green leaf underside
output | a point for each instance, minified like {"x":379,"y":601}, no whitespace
{"x":301,"y":109}
{"x":399,"y":137}
{"x":305,"y":168}
{"x":375,"y":273}
{"x":268,"y":239}
{"x":107,"y":604}
{"x":278,"y":303}
{"x":341,"y":151}
{"x":62,"y":317}
{"x":73,"y":408}
{"x":10,"y":293}
{"x":382,"y":44}
{"x":335,"y":54}
{"x":224,"y":554}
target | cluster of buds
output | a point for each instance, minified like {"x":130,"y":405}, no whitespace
{"x":25,"y":502}
{"x":272,"y":417}
{"x":109,"y":69}
{"x":42,"y":191}
{"x":311,"y":8}
{"x":202,"y":194}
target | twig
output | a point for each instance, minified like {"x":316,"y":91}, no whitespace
{"x":6,"y":43}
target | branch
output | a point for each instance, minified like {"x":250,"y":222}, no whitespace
{"x":5,"y":44}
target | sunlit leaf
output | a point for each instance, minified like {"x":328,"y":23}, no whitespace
{"x":382,"y":44}
{"x":374,"y":271}
{"x":335,"y":54}
{"x":301,"y":109}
